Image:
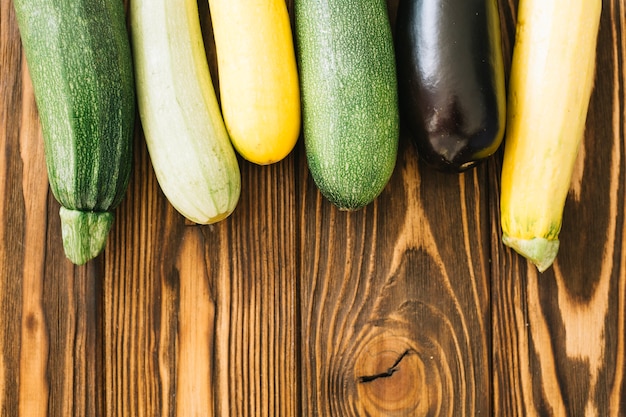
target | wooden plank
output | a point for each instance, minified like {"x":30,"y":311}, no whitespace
{"x":395,"y":298}
{"x":213,"y":304}
{"x":10,"y":289}
{"x":50,"y":349}
{"x":558,"y":337}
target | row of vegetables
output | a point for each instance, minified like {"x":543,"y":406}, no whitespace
{"x":341,"y":77}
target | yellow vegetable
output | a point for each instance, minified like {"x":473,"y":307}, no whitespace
{"x":551,"y":81}
{"x":258,"y":80}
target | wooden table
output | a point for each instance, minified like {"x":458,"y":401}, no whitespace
{"x":282,"y":308}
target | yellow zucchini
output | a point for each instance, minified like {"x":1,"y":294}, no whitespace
{"x":552,"y":76}
{"x":258,"y":81}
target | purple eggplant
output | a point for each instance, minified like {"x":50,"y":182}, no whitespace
{"x":451,"y":80}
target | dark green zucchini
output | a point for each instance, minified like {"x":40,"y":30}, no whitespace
{"x":451,"y":79}
{"x":79,"y":59}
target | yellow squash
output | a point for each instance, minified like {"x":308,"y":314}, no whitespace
{"x":551,"y":81}
{"x":258,"y":79}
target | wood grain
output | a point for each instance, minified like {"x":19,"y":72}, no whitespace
{"x":290,"y":307}
{"x":380,"y":292}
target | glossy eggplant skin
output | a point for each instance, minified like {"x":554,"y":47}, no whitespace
{"x":451,"y":80}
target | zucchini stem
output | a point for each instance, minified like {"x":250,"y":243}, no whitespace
{"x":84,"y":233}
{"x":540,"y":251}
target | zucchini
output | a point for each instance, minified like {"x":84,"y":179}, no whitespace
{"x":451,"y":80}
{"x":552,"y":77}
{"x":193,"y":159}
{"x":79,"y":59}
{"x":349,"y":97}
{"x":258,"y":77}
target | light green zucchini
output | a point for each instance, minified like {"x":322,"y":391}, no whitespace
{"x":193,"y":158}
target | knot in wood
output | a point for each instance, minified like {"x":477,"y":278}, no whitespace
{"x":391,"y":377}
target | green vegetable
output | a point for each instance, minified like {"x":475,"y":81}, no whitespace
{"x":349,"y":97}
{"x":193,"y":158}
{"x":79,"y":59}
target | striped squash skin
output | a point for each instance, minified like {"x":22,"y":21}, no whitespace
{"x":79,"y":59}
{"x":191,"y":153}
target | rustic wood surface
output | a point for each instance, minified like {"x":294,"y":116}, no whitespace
{"x":409,"y":307}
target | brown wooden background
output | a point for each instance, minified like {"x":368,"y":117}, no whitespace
{"x":291,"y":307}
